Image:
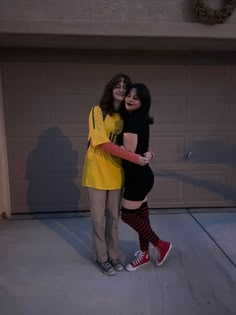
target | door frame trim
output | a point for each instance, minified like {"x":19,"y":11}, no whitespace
{"x":5,"y":201}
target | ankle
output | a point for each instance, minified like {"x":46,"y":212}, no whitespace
{"x":161,"y":242}
{"x":157,"y":244}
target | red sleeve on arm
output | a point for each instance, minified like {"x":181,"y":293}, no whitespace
{"x":121,"y":153}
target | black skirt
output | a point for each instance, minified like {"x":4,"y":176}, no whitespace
{"x":139,"y":181}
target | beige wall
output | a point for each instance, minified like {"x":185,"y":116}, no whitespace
{"x":108,"y":17}
{"x":4,"y":179}
{"x":102,"y":10}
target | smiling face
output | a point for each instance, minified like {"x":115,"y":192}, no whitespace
{"x":119,"y":91}
{"x":132,"y":102}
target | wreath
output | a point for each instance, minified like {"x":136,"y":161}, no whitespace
{"x":207,"y":15}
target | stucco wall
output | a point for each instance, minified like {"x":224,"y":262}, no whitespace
{"x":125,"y":10}
{"x":168,"y":10}
{"x":123,"y":17}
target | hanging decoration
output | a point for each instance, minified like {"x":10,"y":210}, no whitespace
{"x":207,"y":15}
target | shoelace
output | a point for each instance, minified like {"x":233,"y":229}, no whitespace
{"x":139,"y":256}
{"x":114,"y":261}
{"x":158,"y":253}
{"x":106,"y":265}
{"x":157,"y":250}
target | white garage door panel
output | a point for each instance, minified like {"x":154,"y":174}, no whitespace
{"x":50,"y":151}
{"x":167,"y":191}
{"x":208,"y":151}
{"x":230,"y":154}
{"x":169,"y":112}
{"x":73,"y":104}
{"x":209,"y":80}
{"x":19,"y":190}
{"x":208,"y":113}
{"x":47,"y":106}
{"x":164,"y":80}
{"x":169,"y":149}
{"x":210,"y":189}
{"x":231,"y":182}
{"x":199,"y":188}
{"x":17,"y":162}
{"x":46,"y":194}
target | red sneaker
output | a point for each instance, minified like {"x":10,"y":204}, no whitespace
{"x":163,"y":250}
{"x":142,"y":258}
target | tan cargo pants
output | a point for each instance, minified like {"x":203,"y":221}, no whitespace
{"x":104,"y":208}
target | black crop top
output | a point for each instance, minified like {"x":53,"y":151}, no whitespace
{"x":136,"y":123}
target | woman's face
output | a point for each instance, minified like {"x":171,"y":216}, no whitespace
{"x":132,"y":101}
{"x":119,"y":92}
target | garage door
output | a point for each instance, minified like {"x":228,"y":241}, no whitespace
{"x":47,"y":106}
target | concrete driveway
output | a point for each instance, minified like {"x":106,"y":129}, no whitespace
{"x":46,"y":267}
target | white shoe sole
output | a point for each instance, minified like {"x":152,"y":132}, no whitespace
{"x":111,"y":274}
{"x":164,"y":259}
{"x":108,"y":274}
{"x":133,"y":269}
{"x":119,"y":270}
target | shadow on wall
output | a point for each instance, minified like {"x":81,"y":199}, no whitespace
{"x":209,"y":153}
{"x":225,"y":191}
{"x":51,"y":173}
{"x":212,"y":152}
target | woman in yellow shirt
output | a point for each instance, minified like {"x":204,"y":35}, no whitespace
{"x":103,"y":172}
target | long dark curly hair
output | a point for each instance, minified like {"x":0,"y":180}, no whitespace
{"x":106,"y":102}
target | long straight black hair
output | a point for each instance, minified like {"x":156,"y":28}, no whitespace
{"x":106,"y":102}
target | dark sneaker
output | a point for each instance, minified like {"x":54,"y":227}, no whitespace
{"x":116,"y":264}
{"x":106,"y":268}
{"x":142,"y":258}
{"x":163,"y":250}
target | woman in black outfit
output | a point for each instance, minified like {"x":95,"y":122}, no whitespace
{"x":139,"y":180}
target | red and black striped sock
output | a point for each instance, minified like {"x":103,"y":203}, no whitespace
{"x":141,"y":225}
{"x":144,"y":214}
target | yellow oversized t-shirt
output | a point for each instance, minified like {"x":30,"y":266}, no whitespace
{"x":101,"y":169}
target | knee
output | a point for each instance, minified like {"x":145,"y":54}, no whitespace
{"x":112,"y":216}
{"x":126,"y":215}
